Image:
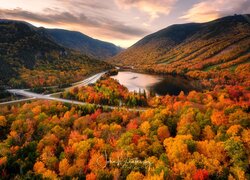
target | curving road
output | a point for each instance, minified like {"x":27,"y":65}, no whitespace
{"x":32,"y":96}
{"x":89,"y":80}
{"x":85,"y":82}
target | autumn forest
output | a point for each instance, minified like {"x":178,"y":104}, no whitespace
{"x":105,"y":131}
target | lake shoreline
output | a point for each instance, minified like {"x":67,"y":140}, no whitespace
{"x":157,"y":83}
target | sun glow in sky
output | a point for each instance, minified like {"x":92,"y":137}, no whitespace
{"x":122,"y":22}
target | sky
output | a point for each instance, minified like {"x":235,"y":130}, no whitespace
{"x":122,"y":22}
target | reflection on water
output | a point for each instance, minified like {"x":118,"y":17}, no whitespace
{"x":160,"y":85}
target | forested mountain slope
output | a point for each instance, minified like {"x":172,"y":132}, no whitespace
{"x":83,"y":43}
{"x":194,"y":49}
{"x":30,"y":58}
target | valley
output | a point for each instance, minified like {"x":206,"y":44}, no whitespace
{"x":175,"y":105}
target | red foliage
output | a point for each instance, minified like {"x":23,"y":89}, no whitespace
{"x":234,"y":93}
{"x":135,"y":138}
{"x":95,"y":114}
{"x":201,"y":174}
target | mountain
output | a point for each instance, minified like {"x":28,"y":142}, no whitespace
{"x":85,"y":44}
{"x":220,"y":44}
{"x":29,"y":58}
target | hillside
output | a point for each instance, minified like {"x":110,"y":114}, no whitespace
{"x":85,"y":44}
{"x":29,"y":58}
{"x":222,"y":44}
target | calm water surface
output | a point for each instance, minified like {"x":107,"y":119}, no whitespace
{"x":161,"y":85}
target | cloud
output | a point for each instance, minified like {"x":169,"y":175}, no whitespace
{"x":207,"y":10}
{"x":48,"y":17}
{"x":153,"y":7}
{"x":93,"y":4}
{"x":54,"y":17}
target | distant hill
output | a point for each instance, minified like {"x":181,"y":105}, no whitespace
{"x":220,"y":44}
{"x":29,"y":58}
{"x":83,"y":43}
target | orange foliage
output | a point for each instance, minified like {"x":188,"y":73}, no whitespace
{"x":135,"y":175}
{"x":163,"y":133}
{"x":39,"y":167}
{"x":3,"y":121}
{"x":218,"y":118}
{"x":91,"y":176}
{"x":208,"y":133}
{"x":133,"y":124}
{"x":63,"y":167}
{"x":212,"y":149}
{"x":97,"y":162}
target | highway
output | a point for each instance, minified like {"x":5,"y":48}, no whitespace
{"x":88,"y":81}
{"x":85,"y":82}
{"x":32,"y":95}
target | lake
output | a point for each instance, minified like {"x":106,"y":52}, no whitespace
{"x":159,"y":84}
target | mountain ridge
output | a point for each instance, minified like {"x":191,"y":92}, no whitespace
{"x":76,"y":41}
{"x":83,"y":43}
{"x":154,"y":48}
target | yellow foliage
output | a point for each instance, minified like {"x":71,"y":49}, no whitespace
{"x":155,"y":176}
{"x":135,"y":175}
{"x":63,"y":167}
{"x":185,"y":169}
{"x":186,"y":118}
{"x":246,"y":138}
{"x":115,"y":127}
{"x":238,"y":173}
{"x":176,"y":149}
{"x":81,"y":148}
{"x":210,"y":164}
{"x":212,"y":149}
{"x":145,"y":127}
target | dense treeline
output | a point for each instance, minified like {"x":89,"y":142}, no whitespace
{"x":62,"y":72}
{"x":236,"y":75}
{"x":107,"y":91}
{"x":194,"y":136}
